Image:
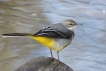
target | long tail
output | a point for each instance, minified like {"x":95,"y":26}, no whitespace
{"x":16,"y":34}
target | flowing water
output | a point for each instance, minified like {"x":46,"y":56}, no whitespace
{"x":88,"y":49}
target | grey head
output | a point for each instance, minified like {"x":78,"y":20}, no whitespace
{"x":70,"y":24}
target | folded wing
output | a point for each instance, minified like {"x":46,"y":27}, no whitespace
{"x":53,"y":33}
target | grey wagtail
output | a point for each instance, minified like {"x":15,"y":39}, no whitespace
{"x":56,"y":37}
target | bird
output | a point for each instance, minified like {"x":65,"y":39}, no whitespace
{"x":55,"y":37}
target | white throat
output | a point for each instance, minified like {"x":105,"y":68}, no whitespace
{"x":72,"y":28}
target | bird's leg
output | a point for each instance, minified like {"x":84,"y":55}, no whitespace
{"x":58,"y":57}
{"x":51,"y":53}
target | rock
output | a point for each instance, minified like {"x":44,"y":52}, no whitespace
{"x":44,"y":64}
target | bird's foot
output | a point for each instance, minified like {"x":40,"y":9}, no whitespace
{"x":58,"y":62}
{"x":51,"y":58}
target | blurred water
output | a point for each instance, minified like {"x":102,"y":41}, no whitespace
{"x":88,"y":49}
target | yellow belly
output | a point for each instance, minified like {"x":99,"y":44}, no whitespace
{"x":48,"y":42}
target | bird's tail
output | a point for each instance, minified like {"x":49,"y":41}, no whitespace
{"x":16,"y":34}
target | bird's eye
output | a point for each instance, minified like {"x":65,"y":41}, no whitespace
{"x":71,"y":24}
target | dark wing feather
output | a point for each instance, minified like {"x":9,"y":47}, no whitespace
{"x":52,"y":33}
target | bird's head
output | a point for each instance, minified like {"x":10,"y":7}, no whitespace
{"x":70,"y":24}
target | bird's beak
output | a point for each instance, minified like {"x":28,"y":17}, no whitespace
{"x":78,"y":24}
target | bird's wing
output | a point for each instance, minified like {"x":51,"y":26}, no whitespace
{"x":52,"y":33}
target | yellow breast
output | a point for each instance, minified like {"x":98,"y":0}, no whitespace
{"x":48,"y":42}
